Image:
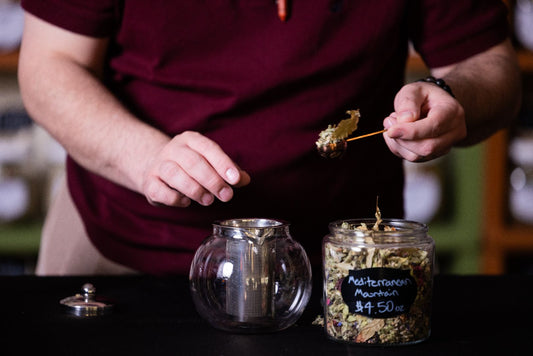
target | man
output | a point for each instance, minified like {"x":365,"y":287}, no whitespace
{"x":177,"y":114}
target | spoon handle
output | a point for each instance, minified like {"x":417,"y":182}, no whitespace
{"x":366,"y":135}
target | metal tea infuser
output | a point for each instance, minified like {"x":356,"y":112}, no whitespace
{"x":250,"y":276}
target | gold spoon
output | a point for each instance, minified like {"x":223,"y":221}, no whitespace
{"x":366,"y":135}
{"x":337,"y":148}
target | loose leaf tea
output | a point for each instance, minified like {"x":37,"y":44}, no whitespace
{"x":342,"y":130}
{"x":377,"y":289}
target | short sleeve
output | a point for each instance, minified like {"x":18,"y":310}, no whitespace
{"x":447,"y":32}
{"x":95,"y":18}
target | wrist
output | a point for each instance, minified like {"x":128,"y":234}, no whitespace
{"x":438,"y":82}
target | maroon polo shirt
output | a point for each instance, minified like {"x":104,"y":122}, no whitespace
{"x":262,"y":89}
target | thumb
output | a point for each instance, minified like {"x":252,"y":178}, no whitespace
{"x":407,"y":104}
{"x":405,"y":116}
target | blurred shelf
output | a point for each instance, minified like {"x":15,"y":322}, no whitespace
{"x":525,"y":59}
{"x":415,"y":63}
{"x":502,"y":237}
{"x":457,"y":233}
{"x":20,"y":239}
{"x":9,"y":61}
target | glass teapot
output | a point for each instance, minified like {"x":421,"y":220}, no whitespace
{"x":250,"y":276}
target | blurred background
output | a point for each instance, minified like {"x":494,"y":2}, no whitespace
{"x":478,"y":201}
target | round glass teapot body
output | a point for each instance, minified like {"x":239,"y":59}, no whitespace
{"x":250,"y":276}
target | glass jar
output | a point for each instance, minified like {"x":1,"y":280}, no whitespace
{"x":521,"y":177}
{"x":250,"y":276}
{"x":378,"y":283}
{"x":523,"y":23}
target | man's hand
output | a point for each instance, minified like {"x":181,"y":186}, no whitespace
{"x":191,"y":167}
{"x":426,"y":123}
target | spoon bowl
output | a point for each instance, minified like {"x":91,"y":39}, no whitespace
{"x":333,"y":149}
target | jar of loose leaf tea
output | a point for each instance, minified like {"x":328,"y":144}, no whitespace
{"x":378,"y":278}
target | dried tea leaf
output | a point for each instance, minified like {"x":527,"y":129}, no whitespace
{"x":339,"y":132}
{"x":370,"y":329}
{"x":370,"y":257}
{"x":319,"y":320}
{"x":378,"y":217}
{"x":347,"y":126}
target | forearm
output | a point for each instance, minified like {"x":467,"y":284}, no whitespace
{"x":488,"y":86}
{"x":96,"y":130}
{"x":59,"y":80}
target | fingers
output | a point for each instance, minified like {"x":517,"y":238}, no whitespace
{"x":436,"y":124}
{"x":217,"y":158}
{"x":192,"y":167}
{"x":423,"y":140}
{"x":158,"y":193}
{"x":426,"y":123}
{"x":419,"y":151}
{"x":407,"y":105}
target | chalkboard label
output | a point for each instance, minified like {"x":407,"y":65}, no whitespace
{"x":379,"y":292}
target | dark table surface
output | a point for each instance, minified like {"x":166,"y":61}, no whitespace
{"x":472,"y":315}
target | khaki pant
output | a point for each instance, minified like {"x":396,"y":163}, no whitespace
{"x":65,"y":248}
